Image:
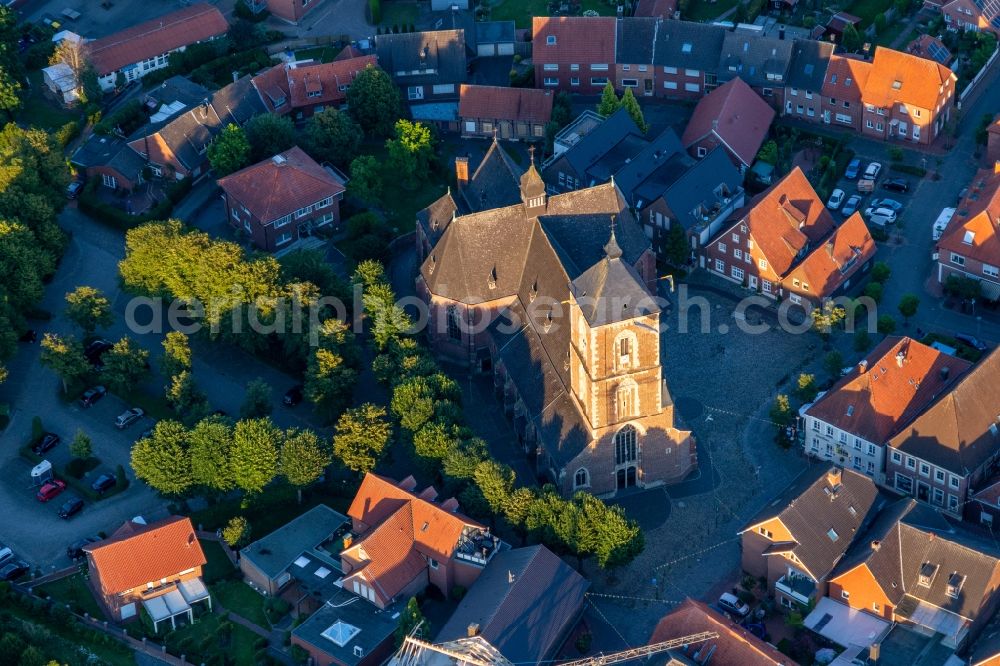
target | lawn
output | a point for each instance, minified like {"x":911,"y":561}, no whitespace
{"x":318,"y":53}
{"x":63,"y":638}
{"x":203,"y":640}
{"x":73,"y":590}
{"x":709,"y":10}
{"x":892,"y":32}
{"x":398,"y":12}
{"x":240,"y":598}
{"x":867,"y":10}
{"x":521,"y":11}
{"x":40,"y":111}
{"x":219,"y":566}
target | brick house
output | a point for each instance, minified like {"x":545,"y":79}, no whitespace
{"x":807,"y":69}
{"x":984,"y":504}
{"x":110,"y":159}
{"x":796,"y":541}
{"x":851,"y":423}
{"x":574,"y":53}
{"x":785,"y":245}
{"x":143,"y":48}
{"x":156,"y":566}
{"x":404,"y":541}
{"x":843,"y":85}
{"x":993,"y":141}
{"x":427,"y":66}
{"x":304,"y":89}
{"x":906,"y":97}
{"x":932,"y":48}
{"x":913,"y":567}
{"x":759,"y":61}
{"x":733,"y":646}
{"x":953,"y":445}
{"x":282,"y":199}
{"x":970,"y":244}
{"x":686,"y":59}
{"x":291,"y":11}
{"x":970,"y":15}
{"x":518,"y":114}
{"x":732,"y":116}
{"x":585,"y":419}
{"x":635,"y":43}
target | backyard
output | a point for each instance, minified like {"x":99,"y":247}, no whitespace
{"x":75,"y":591}
{"x":708,"y":10}
{"x":42,"y":112}
{"x":521,"y":11}
{"x":867,"y":10}
{"x":399,"y":13}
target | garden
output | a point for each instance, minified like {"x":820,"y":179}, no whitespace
{"x":521,"y":11}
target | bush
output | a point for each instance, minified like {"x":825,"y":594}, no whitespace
{"x":862,"y":340}
{"x":67,"y":133}
{"x":458,"y":592}
{"x":37,"y":430}
{"x":128,"y":119}
{"x":919,"y":172}
{"x":886,"y":324}
{"x":873,"y":290}
{"x":121,"y":479}
{"x":375,"y":11}
{"x":881,"y":272}
{"x":92,"y":205}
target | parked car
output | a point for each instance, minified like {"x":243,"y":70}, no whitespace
{"x":46,"y":443}
{"x":104,"y":483}
{"x":731,"y":604}
{"x":850,"y":206}
{"x":886,"y":213}
{"x":128,"y":417}
{"x":836,"y":198}
{"x":50,"y":490}
{"x":971,"y":341}
{"x":882,"y":220}
{"x":6,"y":554}
{"x":70,"y":508}
{"x":14,"y":570}
{"x":886,"y":203}
{"x":75,"y":550}
{"x":872,"y":171}
{"x":293,"y":396}
{"x":941,"y":223}
{"x":73,"y":189}
{"x":147,"y":433}
{"x":851,"y":173}
{"x":896,"y":185}
{"x":92,"y":395}
{"x":95,"y":350}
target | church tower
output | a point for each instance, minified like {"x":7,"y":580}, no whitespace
{"x":533,"y":189}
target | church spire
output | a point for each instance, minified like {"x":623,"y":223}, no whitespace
{"x":532,"y":187}
{"x":612,"y":249}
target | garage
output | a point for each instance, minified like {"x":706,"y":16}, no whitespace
{"x":488,"y":50}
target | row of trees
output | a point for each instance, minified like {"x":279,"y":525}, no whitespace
{"x":610,"y":102}
{"x":426,"y":404}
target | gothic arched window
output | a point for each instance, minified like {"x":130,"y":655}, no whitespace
{"x":581,"y":478}
{"x":625,"y":445}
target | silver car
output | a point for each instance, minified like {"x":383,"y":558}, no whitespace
{"x":128,"y":417}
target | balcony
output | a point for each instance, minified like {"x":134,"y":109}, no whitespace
{"x":477,"y":546}
{"x":799,"y":588}
{"x":709,"y":218}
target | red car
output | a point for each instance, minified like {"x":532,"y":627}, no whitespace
{"x":50,"y":489}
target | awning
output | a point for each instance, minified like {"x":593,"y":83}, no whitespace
{"x":166,"y":606}
{"x":989,"y":290}
{"x":193,"y":589}
{"x":932,"y":617}
{"x":844,"y":625}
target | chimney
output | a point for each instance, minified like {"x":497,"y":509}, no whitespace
{"x":511,"y":577}
{"x":462,"y":171}
{"x":900,"y":357}
{"x":715,"y":124}
{"x":862,"y":366}
{"x":236,"y":76}
{"x":873,"y":652}
{"x":472,"y":629}
{"x":876,"y":545}
{"x":781,"y":32}
{"x":834,"y":476}
{"x":944,"y":373}
{"x":996,"y":167}
{"x":348,"y":540}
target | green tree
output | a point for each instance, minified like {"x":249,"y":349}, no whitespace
{"x":462,"y":461}
{"x":604,"y":532}
{"x":850,"y":39}
{"x":333,"y":136}
{"x":388,"y":319}
{"x":862,"y":340}
{"x":436,"y":440}
{"x":10,"y":94}
{"x":64,"y":356}
{"x":410,"y":621}
{"x":826,"y":317}
{"x":257,"y":400}
{"x":366,"y":179}
{"x":496,"y":483}
{"x":413,"y":403}
{"x":880,"y":23}
{"x":674,"y":248}
{"x":268,"y":135}
{"x":873,"y":290}
{"x":303,"y":459}
{"x":886,"y":324}
{"x":125,"y":365}
{"x":881,"y":272}
{"x":965,"y":288}
{"x":229,"y":151}
{"x":908,"y":305}
{"x":89,"y":309}
{"x":373,"y":101}
{"x":81,"y":447}
{"x":361,"y":438}
{"x":768,"y":153}
{"x":609,"y":100}
{"x":833,"y":363}
{"x":186,"y":398}
{"x":176,"y":354}
{"x":631,"y":105}
{"x":410,"y":151}
{"x":162,"y":460}
{"x":236,"y":533}
{"x":781,"y":415}
{"x":807,"y":389}
{"x":208,"y":444}
{"x":253,"y":454}
{"x":329,"y":379}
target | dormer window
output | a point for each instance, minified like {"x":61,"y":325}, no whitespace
{"x":927,"y":573}
{"x":955,"y":581}
{"x":548,"y":322}
{"x":550,"y":40}
{"x":896,"y":85}
{"x":492,"y":281}
{"x":533,"y":292}
{"x":969,"y":237}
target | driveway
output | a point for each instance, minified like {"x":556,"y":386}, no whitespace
{"x":96,"y":21}
{"x":331,"y":18}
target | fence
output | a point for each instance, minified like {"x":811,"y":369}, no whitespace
{"x":979,"y":77}
{"x":306,"y":42}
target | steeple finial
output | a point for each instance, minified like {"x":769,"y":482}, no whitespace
{"x":612,"y":249}
{"x":531,"y":154}
{"x":494,"y":135}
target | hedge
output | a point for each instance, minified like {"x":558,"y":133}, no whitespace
{"x":92,"y":205}
{"x":919,"y":172}
{"x":375,"y":9}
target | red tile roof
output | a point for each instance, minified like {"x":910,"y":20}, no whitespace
{"x":294,"y":84}
{"x":281,"y":185}
{"x":980,"y":225}
{"x":902,"y":78}
{"x":656,"y":8}
{"x":846,"y":78}
{"x":890,"y":392}
{"x":837,"y":258}
{"x":734,"y":646}
{"x":930,"y":47}
{"x":736,"y":114}
{"x":579,"y":40}
{"x":137,"y":554}
{"x":161,"y":35}
{"x":514,"y":104}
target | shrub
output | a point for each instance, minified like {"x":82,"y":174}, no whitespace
{"x":121,"y":479}
{"x":886,"y":324}
{"x":128,"y":118}
{"x":919,"y":172}
{"x":458,"y":592}
{"x":881,"y":271}
{"x":862,"y":340}
{"x":92,"y":205}
{"x":375,"y":11}
{"x":37,"y":429}
{"x":67,"y":133}
{"x":873,"y":290}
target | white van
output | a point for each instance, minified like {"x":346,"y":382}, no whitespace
{"x":941,"y":223}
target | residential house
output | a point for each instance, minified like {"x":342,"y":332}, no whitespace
{"x":732,"y":116}
{"x":348,"y":631}
{"x":972,"y":15}
{"x":574,"y":53}
{"x":403,"y":540}
{"x":588,"y":416}
{"x":110,"y":159}
{"x":785,"y":244}
{"x":970,"y":244}
{"x":760,"y":61}
{"x":906,"y":97}
{"x":851,"y":423}
{"x":838,"y":23}
{"x":843,"y":85}
{"x":518,"y":114}
{"x":178,"y":148}
{"x":525,"y":603}
{"x":806,"y":75}
{"x":656,"y":8}
{"x":429,"y":66}
{"x":686,"y":58}
{"x":733,"y":645}
{"x":597,"y":152}
{"x":156,"y":566}
{"x":797,"y":540}
{"x":913,"y":568}
{"x":635,"y":43}
{"x":986,"y":649}
{"x":290,"y":557}
{"x":303,"y":89}
{"x":143,"y":48}
{"x":993,"y":141}
{"x":953,"y":445}
{"x":291,"y":11}
{"x":932,"y":48}
{"x":282,"y":199}
{"x":984,"y":504}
